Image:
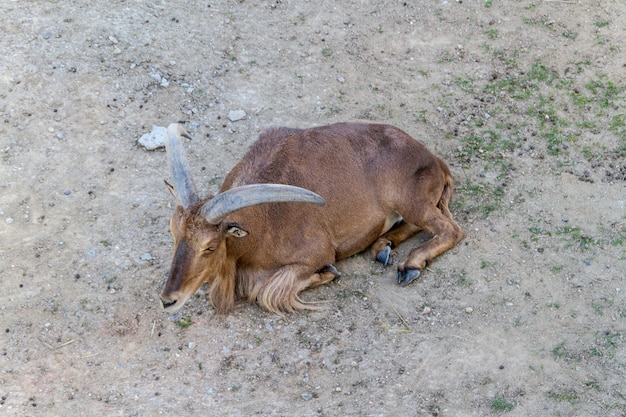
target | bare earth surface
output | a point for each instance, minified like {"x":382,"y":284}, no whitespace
{"x":524,"y":100}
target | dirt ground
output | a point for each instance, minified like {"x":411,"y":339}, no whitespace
{"x":524,"y":101}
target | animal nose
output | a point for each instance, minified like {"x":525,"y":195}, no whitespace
{"x":167,"y":304}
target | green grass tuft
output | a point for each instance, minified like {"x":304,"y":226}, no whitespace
{"x":500,"y":404}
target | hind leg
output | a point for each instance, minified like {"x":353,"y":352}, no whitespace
{"x":446,"y":233}
{"x":381,"y":249}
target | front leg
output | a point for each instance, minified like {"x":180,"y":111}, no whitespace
{"x":279,"y":293}
{"x":325,"y":274}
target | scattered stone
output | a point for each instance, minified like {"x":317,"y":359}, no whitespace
{"x":67,"y":192}
{"x":469,"y":310}
{"x":155,"y":139}
{"x":9,"y":220}
{"x":191,"y":345}
{"x":146,"y":257}
{"x":235,"y":115}
{"x":307,"y":395}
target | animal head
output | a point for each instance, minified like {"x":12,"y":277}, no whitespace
{"x":203,"y":233}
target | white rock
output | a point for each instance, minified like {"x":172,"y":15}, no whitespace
{"x":155,"y":139}
{"x":235,"y":115}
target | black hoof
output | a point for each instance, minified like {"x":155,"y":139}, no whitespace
{"x":329,"y":268}
{"x":384,"y":256}
{"x":407,"y":276}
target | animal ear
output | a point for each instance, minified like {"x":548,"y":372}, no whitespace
{"x":233,"y":229}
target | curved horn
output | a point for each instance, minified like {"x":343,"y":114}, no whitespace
{"x":249,"y":195}
{"x":179,"y":167}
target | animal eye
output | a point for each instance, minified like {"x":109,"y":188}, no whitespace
{"x":210,"y":249}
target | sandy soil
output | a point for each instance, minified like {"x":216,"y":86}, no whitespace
{"x":524,"y":100}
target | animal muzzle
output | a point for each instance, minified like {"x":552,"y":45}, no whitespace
{"x":172,"y":302}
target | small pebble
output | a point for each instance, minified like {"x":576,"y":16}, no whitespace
{"x":67,"y":192}
{"x":469,"y":310}
{"x":9,"y":220}
{"x":155,"y":139}
{"x":307,"y":395}
{"x":191,"y":345}
{"x":235,"y":115}
{"x":587,"y":261}
{"x":146,"y":257}
{"x":427,"y":310}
